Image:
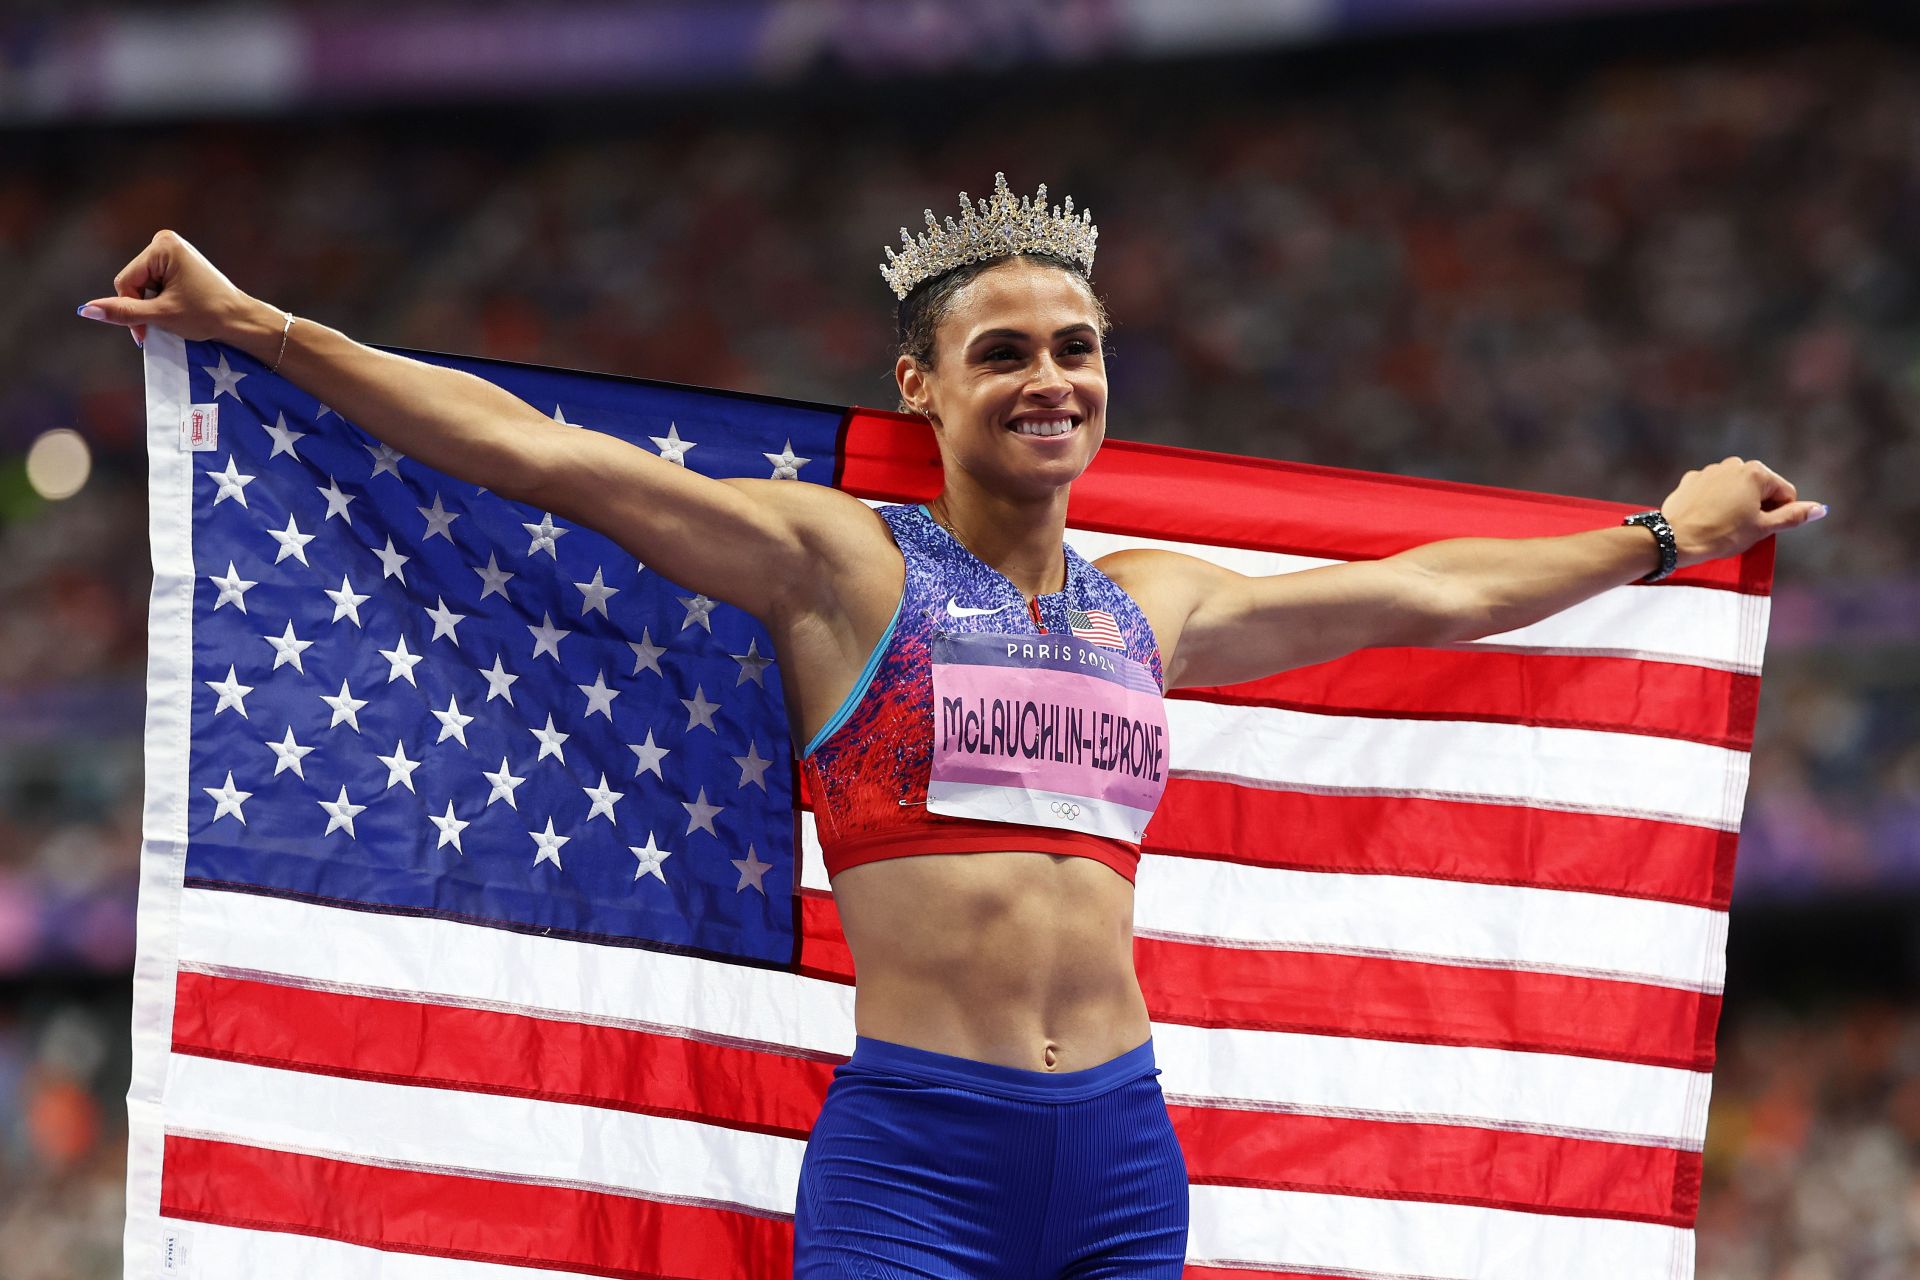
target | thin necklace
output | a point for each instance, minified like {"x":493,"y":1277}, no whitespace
{"x":977,"y":556}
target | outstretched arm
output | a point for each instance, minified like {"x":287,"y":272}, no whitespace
{"x":757,"y":544}
{"x":1227,"y":627}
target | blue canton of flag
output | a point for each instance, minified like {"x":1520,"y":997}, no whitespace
{"x":414,"y":695}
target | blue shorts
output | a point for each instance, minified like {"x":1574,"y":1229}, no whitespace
{"x":933,"y":1167}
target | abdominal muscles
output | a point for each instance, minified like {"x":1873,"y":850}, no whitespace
{"x":1019,"y":958}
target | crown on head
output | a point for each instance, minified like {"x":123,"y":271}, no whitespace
{"x":1002,"y":226}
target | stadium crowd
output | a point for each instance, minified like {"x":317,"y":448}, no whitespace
{"x":1583,"y":283}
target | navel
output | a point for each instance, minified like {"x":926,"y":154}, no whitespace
{"x":1053,"y":1055}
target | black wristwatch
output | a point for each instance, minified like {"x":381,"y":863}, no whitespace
{"x":1663,"y":534}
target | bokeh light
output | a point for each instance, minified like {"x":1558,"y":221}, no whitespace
{"x":58,"y":463}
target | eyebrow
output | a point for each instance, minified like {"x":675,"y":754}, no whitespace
{"x":1016,"y":333}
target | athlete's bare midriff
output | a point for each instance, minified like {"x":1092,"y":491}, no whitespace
{"x":1017,"y":958}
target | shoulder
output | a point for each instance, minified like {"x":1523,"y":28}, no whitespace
{"x":823,"y":518}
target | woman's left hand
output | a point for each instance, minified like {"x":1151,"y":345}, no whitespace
{"x":1722,"y":509}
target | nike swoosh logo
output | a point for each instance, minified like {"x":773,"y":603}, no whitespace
{"x":957,"y":610}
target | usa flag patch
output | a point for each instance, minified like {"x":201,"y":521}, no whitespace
{"x":1097,"y":626}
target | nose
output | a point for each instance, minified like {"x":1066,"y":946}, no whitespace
{"x":1049,"y":382}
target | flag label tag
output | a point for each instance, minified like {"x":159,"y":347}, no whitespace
{"x":176,"y":1255}
{"x":200,"y":428}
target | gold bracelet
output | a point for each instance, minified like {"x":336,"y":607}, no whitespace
{"x":283,"y":344}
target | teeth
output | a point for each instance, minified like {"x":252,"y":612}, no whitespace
{"x":1048,"y":427}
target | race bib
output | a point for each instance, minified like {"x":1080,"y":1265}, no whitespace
{"x":1050,"y":731}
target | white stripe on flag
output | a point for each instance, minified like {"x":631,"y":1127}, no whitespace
{"x":482,"y":1134}
{"x":1547,"y":1093}
{"x":1412,"y":918}
{"x":236,"y":1251}
{"x":1449,"y":921}
{"x":1354,"y":1236}
{"x":620,"y":986}
{"x":1580,"y":770}
{"x":1699,"y":626}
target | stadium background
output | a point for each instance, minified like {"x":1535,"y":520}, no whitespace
{"x":1575,"y":246}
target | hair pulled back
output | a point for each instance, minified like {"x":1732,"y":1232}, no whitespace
{"x":921,"y":311}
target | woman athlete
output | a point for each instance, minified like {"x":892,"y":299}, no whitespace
{"x":999,"y":1117}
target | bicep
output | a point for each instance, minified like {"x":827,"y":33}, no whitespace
{"x":1242,"y":628}
{"x":757,"y":544}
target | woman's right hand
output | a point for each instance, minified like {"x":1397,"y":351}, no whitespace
{"x":171,"y":284}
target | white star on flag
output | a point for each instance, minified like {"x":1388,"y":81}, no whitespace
{"x":752,"y":665}
{"x":499,"y":682}
{"x":228,"y":799}
{"x":549,"y":845}
{"x":699,"y":609}
{"x":450,"y":828}
{"x":439,"y":520}
{"x":346,"y":603}
{"x":649,"y":755}
{"x":287,"y":754}
{"x":230,"y":483}
{"x":399,"y":768}
{"x":604,"y":798}
{"x":547,"y":637}
{"x":283,"y":437}
{"x":452,"y":723}
{"x":699,"y":710}
{"x":753,"y":770}
{"x":337,"y":500}
{"x":650,"y":856}
{"x":346,"y":707}
{"x":700,"y":814}
{"x":503,"y":784}
{"x":385,"y":458}
{"x":671,"y":446}
{"x":752,"y":870}
{"x":599,"y":697}
{"x":292,"y":542}
{"x":550,"y":740}
{"x":646,"y":654}
{"x":494,"y":580}
{"x":545,"y":535}
{"x":595,"y":594}
{"x":390,"y":562}
{"x":444,"y":620}
{"x":785,"y":465}
{"x":340,"y":814}
{"x":232,"y":693}
{"x":287,"y":647}
{"x":400,"y":663}
{"x":233,"y":588}
{"x":225,"y":381}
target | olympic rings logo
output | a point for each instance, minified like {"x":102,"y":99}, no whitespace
{"x":1066,"y":809}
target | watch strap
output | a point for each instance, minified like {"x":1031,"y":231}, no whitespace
{"x":1656,"y":523}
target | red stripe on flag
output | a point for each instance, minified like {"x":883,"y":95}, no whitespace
{"x":1442,"y":1163}
{"x":1203,"y":985}
{"x":1321,"y":994}
{"x":1185,"y":494}
{"x":1615,"y":695}
{"x":1446,"y":840}
{"x":447,"y":1046}
{"x":521,"y":1224}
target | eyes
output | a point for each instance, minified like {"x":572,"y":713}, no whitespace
{"x":1003,"y":353}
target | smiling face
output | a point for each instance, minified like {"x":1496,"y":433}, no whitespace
{"x":1017,"y":387}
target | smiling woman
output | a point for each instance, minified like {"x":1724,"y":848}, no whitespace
{"x":982,"y":713}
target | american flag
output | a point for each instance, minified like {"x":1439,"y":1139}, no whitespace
{"x":483,"y":933}
{"x":1096,"y":626}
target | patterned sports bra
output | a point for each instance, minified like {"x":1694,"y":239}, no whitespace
{"x":982,"y":722}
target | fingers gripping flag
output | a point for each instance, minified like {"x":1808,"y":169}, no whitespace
{"x":481,"y":925}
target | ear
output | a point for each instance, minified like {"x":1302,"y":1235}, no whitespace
{"x":915,"y":388}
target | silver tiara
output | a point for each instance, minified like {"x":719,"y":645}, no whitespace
{"x":1002,"y":226}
